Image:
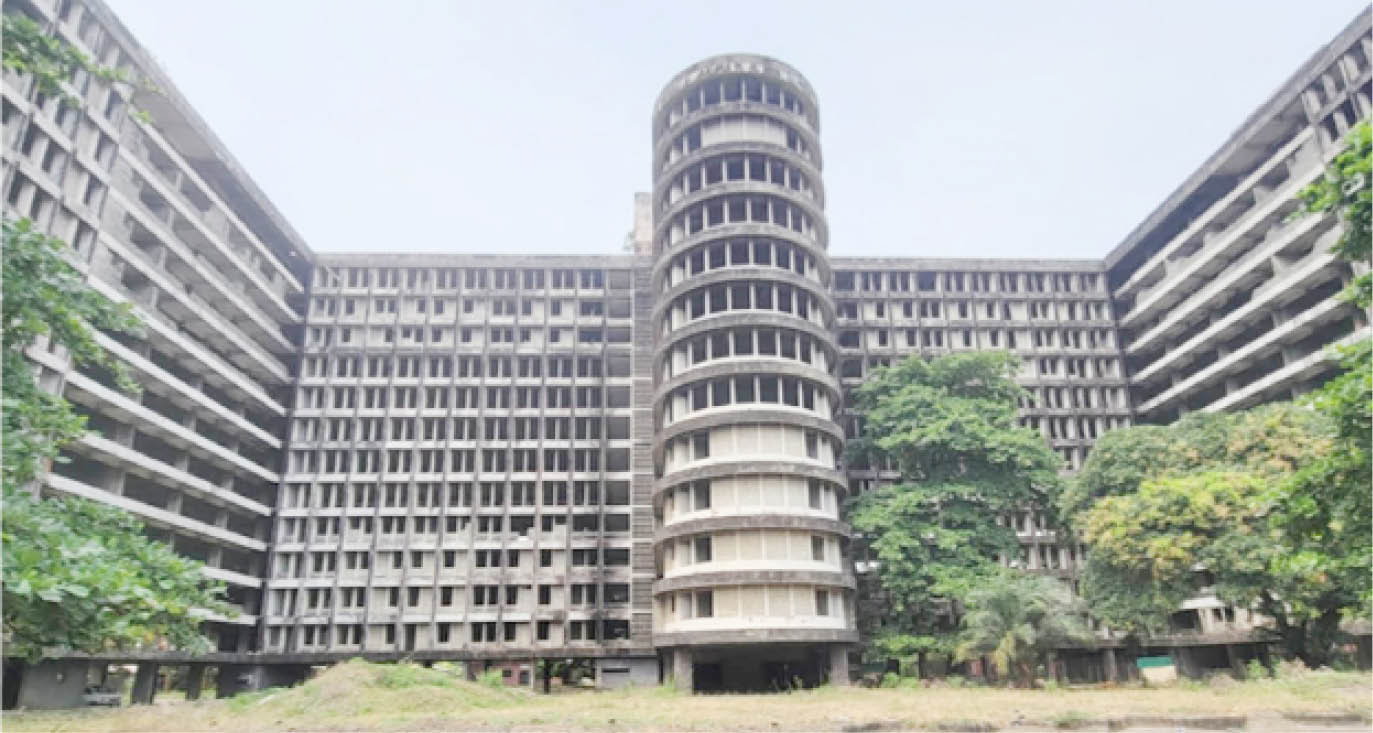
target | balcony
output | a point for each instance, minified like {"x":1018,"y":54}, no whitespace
{"x":273,"y":279}
{"x":154,"y":214}
{"x":186,"y":345}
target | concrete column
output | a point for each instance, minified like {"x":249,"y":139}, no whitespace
{"x":839,"y":665}
{"x":113,"y":481}
{"x":53,"y":684}
{"x":1108,"y":660}
{"x":682,"y":669}
{"x":123,"y":435}
{"x":145,"y":684}
{"x":1233,"y":657}
{"x":1182,"y":660}
{"x":195,"y":681}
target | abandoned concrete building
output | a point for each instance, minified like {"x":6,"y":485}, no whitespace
{"x":632,"y":459}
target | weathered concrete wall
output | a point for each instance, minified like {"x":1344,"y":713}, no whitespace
{"x":53,"y":684}
{"x":633,"y":671}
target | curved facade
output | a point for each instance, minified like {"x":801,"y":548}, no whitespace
{"x":750,"y":549}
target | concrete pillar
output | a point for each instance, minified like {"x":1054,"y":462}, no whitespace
{"x":53,"y":684}
{"x":839,"y":665}
{"x":1108,"y":661}
{"x":123,"y":434}
{"x":1265,"y":659}
{"x":1236,"y":663}
{"x":1182,"y":660}
{"x":195,"y":681}
{"x":682,"y":669}
{"x":145,"y":684}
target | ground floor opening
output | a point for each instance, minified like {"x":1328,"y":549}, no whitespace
{"x":758,"y":667}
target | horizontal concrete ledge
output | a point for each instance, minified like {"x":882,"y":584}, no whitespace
{"x":805,"y":127}
{"x":749,"y":274}
{"x":752,"y":521}
{"x":741,"y":230}
{"x":727,"y":578}
{"x":753,"y":319}
{"x":755,"y":637}
{"x":432,"y":655}
{"x":731,"y":64}
{"x":748,"y":366}
{"x":154,"y":515}
{"x":721,"y":469}
{"x":750,"y":413}
{"x":745,"y":147}
{"x":740,"y":188}
{"x":712,"y":236}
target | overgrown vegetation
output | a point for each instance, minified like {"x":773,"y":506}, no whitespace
{"x":1167,"y":510}
{"x":949,"y":426}
{"x":53,"y":63}
{"x":1272,"y":505}
{"x":77,"y":575}
{"x":363,"y":696}
{"x":1018,"y":620}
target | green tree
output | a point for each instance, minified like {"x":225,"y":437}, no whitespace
{"x":77,"y":574}
{"x":81,"y":575}
{"x":1271,"y":441}
{"x":1167,"y":510}
{"x":52,"y":62}
{"x":45,"y":296}
{"x":1347,"y":190}
{"x":1018,"y":620}
{"x":950,"y":426}
{"x":1325,"y":511}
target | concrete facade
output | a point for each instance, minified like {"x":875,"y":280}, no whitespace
{"x":749,"y":548}
{"x":635,"y":459}
{"x":159,"y":215}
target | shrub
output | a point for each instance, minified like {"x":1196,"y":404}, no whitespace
{"x":492,"y":678}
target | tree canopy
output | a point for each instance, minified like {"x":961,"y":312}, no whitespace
{"x":1270,"y":442}
{"x":82,"y":575}
{"x":45,"y":296}
{"x":1325,"y":511}
{"x":1274,"y":503}
{"x":77,"y":574}
{"x":949,"y":425}
{"x":1168,"y":510}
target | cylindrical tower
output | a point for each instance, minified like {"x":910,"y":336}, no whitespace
{"x":753,"y":582}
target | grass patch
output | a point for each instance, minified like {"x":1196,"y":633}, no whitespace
{"x":360,"y":696}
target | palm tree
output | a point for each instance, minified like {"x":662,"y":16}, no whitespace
{"x":1018,"y":620}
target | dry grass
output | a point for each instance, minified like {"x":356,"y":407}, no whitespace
{"x":362,"y":696}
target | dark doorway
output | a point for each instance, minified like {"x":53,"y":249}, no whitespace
{"x":14,"y":676}
{"x":708,"y":678}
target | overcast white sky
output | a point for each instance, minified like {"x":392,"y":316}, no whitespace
{"x":987,"y":129}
